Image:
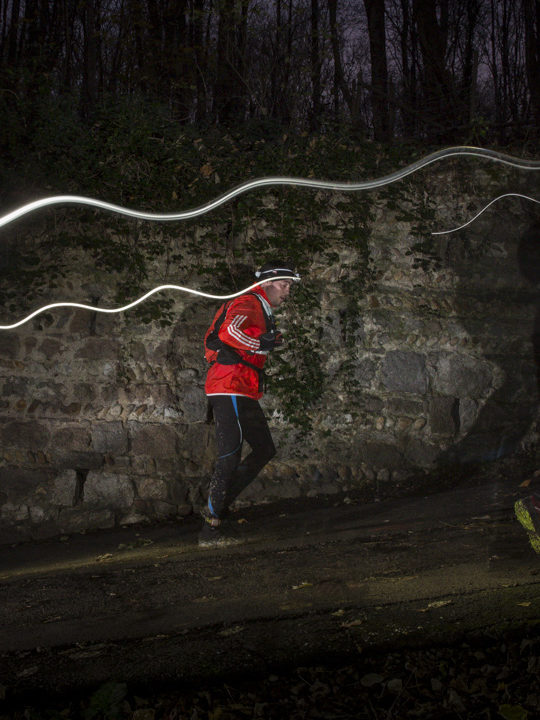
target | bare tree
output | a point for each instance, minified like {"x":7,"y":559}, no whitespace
{"x":408,"y":44}
{"x":13,"y":33}
{"x":315,"y":66}
{"x":340,"y":84}
{"x":531,"y":13}
{"x":199,"y":44}
{"x":89,"y":89}
{"x":230,"y":85}
{"x":438,"y":87}
{"x":227,"y":60}
{"x":379,"y":69}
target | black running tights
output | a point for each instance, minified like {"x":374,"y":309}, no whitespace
{"x":237,"y":418}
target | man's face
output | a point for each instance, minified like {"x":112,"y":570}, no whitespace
{"x":277,"y":291}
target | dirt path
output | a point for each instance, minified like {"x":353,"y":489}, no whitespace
{"x":314,"y":580}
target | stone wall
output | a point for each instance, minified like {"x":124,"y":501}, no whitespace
{"x":412,"y":352}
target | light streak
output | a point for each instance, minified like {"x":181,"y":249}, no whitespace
{"x":525,"y":197}
{"x":245,"y":187}
{"x":144,"y":297}
{"x":275,"y":181}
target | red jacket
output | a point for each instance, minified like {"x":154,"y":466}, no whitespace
{"x":244,"y":322}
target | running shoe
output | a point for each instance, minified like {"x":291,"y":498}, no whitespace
{"x":208,"y":518}
{"x":213,"y":537}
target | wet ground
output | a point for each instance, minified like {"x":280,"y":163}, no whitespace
{"x":316,"y":582}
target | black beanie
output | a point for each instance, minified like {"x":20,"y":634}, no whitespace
{"x":277,"y":269}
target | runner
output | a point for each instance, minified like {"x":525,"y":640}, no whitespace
{"x":237,"y":344}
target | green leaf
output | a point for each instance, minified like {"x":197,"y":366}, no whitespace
{"x":513,"y":712}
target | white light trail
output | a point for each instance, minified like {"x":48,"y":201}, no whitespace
{"x":144,"y":297}
{"x":491,"y":155}
{"x":525,"y":197}
{"x":274,"y":181}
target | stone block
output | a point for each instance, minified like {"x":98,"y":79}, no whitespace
{"x":444,"y":415}
{"x":137,"y":351}
{"x":152,"y":488}
{"x":142,"y":465}
{"x":380,"y":455}
{"x":85,"y":392}
{"x":161,"y":509}
{"x":134,"y":517}
{"x":76,"y":437}
{"x":16,"y":386}
{"x":79,"y":519}
{"x":106,"y":325}
{"x":364,"y":371}
{"x":192,"y":402}
{"x":169,"y":466}
{"x":30,"y":434}
{"x":109,"y":393}
{"x":421,"y":454}
{"x":29,"y":345}
{"x":120,"y":464}
{"x":63,"y":491}
{"x":40,"y":514}
{"x":17,"y":484}
{"x":98,"y":348}
{"x":108,"y":490}
{"x":331,"y":328}
{"x":461,"y":375}
{"x":47,"y":389}
{"x":81,"y":322}
{"x":405,"y":405}
{"x":11,"y":513}
{"x":162,"y":396}
{"x":110,"y":438}
{"x":468,"y":413}
{"x":10,"y":346}
{"x":404,"y":372}
{"x":197,"y":442}
{"x":50,"y":347}
{"x":370,"y":404}
{"x":157,"y":441}
{"x":157,"y":354}
{"x":65,"y":458}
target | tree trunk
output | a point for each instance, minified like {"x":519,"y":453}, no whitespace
{"x":470,"y":65}
{"x":200,"y":58}
{"x":90,"y":61}
{"x":379,"y":69}
{"x":438,"y":114}
{"x":315,"y":67}
{"x":339,"y":77}
{"x":230,"y":88}
{"x":409,"y":61}
{"x":13,"y":35}
{"x":278,"y":102}
{"x":178,"y":58}
{"x":276,"y":64}
{"x":531,"y":11}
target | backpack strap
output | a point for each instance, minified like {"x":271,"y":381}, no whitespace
{"x":213,"y":341}
{"x":226,"y":355}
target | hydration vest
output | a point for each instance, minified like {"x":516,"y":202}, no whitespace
{"x":216,"y":351}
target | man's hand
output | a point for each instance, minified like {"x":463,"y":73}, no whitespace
{"x":270,"y":340}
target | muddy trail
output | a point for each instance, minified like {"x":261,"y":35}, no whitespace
{"x":336,"y":586}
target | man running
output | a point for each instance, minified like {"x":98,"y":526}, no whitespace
{"x":237,"y":344}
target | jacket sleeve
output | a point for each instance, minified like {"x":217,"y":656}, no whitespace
{"x":243,"y":324}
